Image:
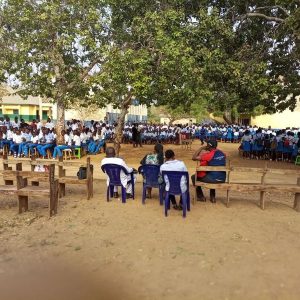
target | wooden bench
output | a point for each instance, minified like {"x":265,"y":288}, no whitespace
{"x":63,"y":179}
{"x":88,"y":182}
{"x":23,"y":191}
{"x":263,"y":182}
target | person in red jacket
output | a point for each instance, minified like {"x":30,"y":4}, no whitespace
{"x":209,"y":156}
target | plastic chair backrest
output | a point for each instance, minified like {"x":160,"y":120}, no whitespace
{"x":113,"y":171}
{"x":174,"y":178}
{"x":151,"y":173}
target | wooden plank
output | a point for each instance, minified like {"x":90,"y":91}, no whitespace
{"x":8,"y":189}
{"x":33,"y":191}
{"x":209,"y":168}
{"x":25,"y":174}
{"x":44,"y":161}
{"x":297,"y":198}
{"x":72,"y":180}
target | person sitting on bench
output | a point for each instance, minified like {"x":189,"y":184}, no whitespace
{"x":209,"y":156}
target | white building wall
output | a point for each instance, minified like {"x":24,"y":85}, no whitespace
{"x":279,"y":120}
{"x":99,"y":114}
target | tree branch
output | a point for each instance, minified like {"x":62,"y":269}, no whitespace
{"x":286,"y":12}
{"x":89,"y":68}
{"x":273,"y":19}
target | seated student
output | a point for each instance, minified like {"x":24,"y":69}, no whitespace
{"x":98,"y":143}
{"x":155,"y":158}
{"x":2,"y":139}
{"x":59,"y":148}
{"x":172,"y":164}
{"x":76,"y":140}
{"x":85,"y":138}
{"x":125,"y":179}
{"x":26,"y":138}
{"x":17,"y":140}
{"x":9,"y":137}
{"x":47,"y":142}
{"x":34,"y":141}
{"x":209,"y":156}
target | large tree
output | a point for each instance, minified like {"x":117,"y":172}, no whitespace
{"x":50,"y":48}
{"x":237,"y":55}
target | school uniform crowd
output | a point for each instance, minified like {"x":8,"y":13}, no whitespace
{"x":21,"y":139}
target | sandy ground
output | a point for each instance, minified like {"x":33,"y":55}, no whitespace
{"x":99,"y":250}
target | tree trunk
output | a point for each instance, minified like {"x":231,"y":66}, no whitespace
{"x":227,"y":117}
{"x":60,"y":124}
{"x":121,"y":122}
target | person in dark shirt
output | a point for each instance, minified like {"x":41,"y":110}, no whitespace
{"x":209,"y":156}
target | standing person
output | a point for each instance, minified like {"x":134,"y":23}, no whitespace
{"x":139,"y":135}
{"x":172,"y":164}
{"x":209,"y":156}
{"x":134,"y":136}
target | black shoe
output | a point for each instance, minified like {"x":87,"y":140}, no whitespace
{"x":201,"y":199}
{"x":176,"y":207}
{"x":116,"y":195}
{"x":128,"y":196}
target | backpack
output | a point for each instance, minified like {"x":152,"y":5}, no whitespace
{"x":82,"y":173}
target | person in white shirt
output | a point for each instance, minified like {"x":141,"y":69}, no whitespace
{"x":59,"y":148}
{"x":172,"y":164}
{"x":15,"y":123}
{"x":48,"y":142}
{"x":76,"y":140}
{"x":34,"y":141}
{"x":17,"y":140}
{"x":49,"y":124}
{"x":125,"y":179}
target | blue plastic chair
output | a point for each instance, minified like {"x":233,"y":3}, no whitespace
{"x":174,"y":178}
{"x":113,"y":171}
{"x":151,"y":174}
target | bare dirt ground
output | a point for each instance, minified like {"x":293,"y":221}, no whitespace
{"x":99,"y":250}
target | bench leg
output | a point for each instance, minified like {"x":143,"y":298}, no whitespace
{"x":53,"y":200}
{"x":88,"y":186}
{"x":62,"y":190}
{"x":297,"y":202}
{"x":91,"y":187}
{"x":262,"y":200}
{"x":195,"y":195}
{"x":23,"y":203}
{"x":227,"y":203}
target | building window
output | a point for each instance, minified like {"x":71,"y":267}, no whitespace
{"x":15,"y":111}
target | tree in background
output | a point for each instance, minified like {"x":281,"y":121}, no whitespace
{"x":234,"y":55}
{"x":50,"y":48}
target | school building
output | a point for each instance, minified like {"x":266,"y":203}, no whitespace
{"x":14,"y":106}
{"x":34,"y":107}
